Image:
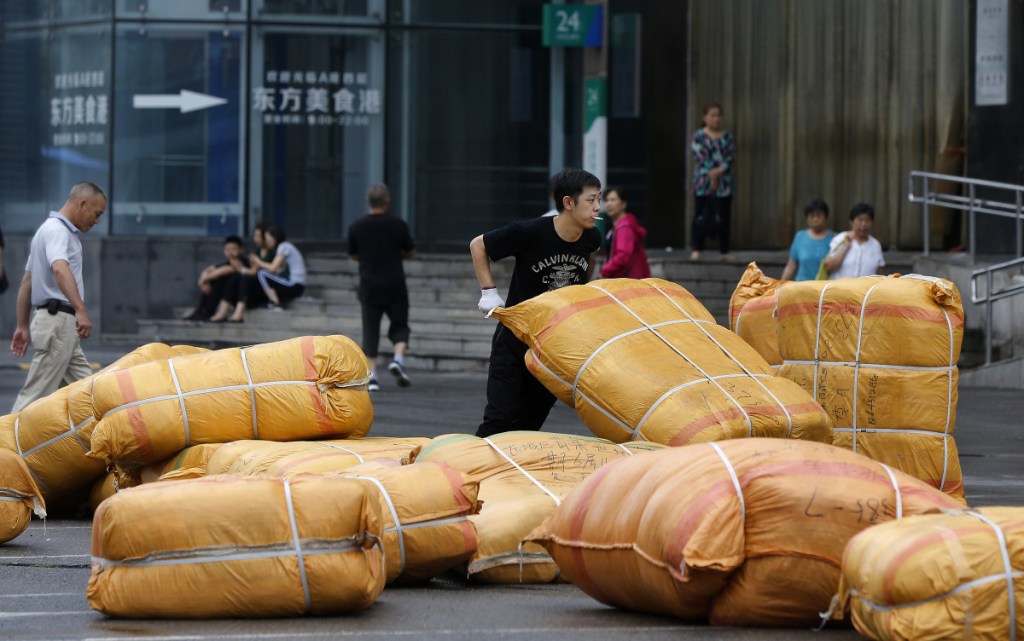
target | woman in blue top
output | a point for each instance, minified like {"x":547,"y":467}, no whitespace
{"x":714,"y":153}
{"x":810,"y":246}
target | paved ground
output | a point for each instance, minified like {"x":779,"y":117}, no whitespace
{"x":43,"y":572}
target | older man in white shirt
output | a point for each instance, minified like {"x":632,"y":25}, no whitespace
{"x":856,"y":252}
{"x":53,"y":286}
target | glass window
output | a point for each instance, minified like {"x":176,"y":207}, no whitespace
{"x":54,"y":119}
{"x":317,"y":127}
{"x":20,"y":13}
{"x":193,"y":9}
{"x":505,"y":12}
{"x":369,"y":10}
{"x":468,"y":143}
{"x":178,"y":132}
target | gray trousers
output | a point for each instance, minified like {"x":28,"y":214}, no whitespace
{"x":58,"y":358}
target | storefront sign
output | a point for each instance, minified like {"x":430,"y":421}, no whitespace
{"x":990,"y":64}
{"x":317,"y":98}
{"x":595,"y":127}
{"x":78,"y":109}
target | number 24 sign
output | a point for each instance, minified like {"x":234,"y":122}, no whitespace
{"x":573,"y":25}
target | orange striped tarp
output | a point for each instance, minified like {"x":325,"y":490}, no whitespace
{"x":957,"y":575}
{"x":643,"y":360}
{"x":741,"y":532}
{"x":752,"y":312}
{"x":880,"y":355}
{"x":308,"y":387}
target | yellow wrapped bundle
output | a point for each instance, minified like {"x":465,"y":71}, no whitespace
{"x":643,"y":360}
{"x":523,"y":476}
{"x":102,"y":489}
{"x":19,"y":497}
{"x":53,"y":433}
{"x":222,"y":547}
{"x":880,"y":355}
{"x":752,"y":313}
{"x":313,"y":386}
{"x":742,"y":532}
{"x":425,"y":509}
{"x":254,"y":458}
{"x":958,"y":575}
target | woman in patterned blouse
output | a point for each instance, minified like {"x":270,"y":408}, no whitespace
{"x":714,"y":153}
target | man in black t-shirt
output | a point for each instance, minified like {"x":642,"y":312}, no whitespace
{"x":550,"y":252}
{"x":380,"y":241}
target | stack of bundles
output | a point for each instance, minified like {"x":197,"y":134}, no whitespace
{"x":253,"y":458}
{"x":294,"y":389}
{"x":425,"y":511}
{"x":643,"y":360}
{"x":189,"y":463}
{"x":880,"y":356}
{"x":19,"y":496}
{"x":523,"y":477}
{"x":752,"y":313}
{"x":742,"y":532}
{"x":939,"y":576}
{"x":237,"y":547}
{"x":53,"y":433}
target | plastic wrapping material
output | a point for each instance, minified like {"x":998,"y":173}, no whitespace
{"x":308,"y":387}
{"x":938,"y":576}
{"x":102,"y":489}
{"x":523,"y":476}
{"x":316,"y":457}
{"x":752,"y":313}
{"x":52,"y":434}
{"x":425,"y":510}
{"x":742,"y":532}
{"x":643,"y":360}
{"x":880,"y":355}
{"x":19,"y":496}
{"x":228,"y":547}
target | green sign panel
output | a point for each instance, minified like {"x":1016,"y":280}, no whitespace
{"x":572,"y":25}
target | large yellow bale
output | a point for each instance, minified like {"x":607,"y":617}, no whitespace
{"x":752,"y":312}
{"x":313,"y":386}
{"x":523,"y":477}
{"x":52,"y":434}
{"x":643,"y":360}
{"x":425,"y":510}
{"x":309,"y":457}
{"x":237,"y":547}
{"x":880,"y":355}
{"x":742,"y":532}
{"x":19,"y":496}
{"x":958,"y":575}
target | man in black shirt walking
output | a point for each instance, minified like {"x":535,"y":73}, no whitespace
{"x":550,"y":252}
{"x":380,"y":241}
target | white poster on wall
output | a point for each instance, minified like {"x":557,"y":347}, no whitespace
{"x":991,"y":71}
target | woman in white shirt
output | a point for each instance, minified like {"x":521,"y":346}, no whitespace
{"x":856,"y":252}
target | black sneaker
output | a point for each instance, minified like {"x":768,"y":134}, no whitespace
{"x":399,"y":373}
{"x":374,"y":385}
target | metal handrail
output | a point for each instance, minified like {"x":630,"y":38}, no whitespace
{"x":991,"y":295}
{"x":970,"y":203}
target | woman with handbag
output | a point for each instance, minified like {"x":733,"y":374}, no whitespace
{"x":714,"y":153}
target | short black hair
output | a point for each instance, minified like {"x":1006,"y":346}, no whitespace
{"x":816,"y":205}
{"x":571,"y":183}
{"x":862,"y":208}
{"x":618,"y":190}
{"x":234,"y":240}
{"x":277,"y":232}
{"x":261,"y":226}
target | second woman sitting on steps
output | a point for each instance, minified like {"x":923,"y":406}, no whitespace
{"x":275,"y":283}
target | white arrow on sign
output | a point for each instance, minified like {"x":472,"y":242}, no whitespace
{"x":186,"y":101}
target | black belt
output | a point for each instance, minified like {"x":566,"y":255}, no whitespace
{"x":54,"y":305}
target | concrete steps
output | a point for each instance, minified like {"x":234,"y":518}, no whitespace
{"x":448,"y":333}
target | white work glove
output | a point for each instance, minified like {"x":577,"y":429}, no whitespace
{"x":489,"y":300}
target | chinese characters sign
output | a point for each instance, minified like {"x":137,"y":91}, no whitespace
{"x":79,"y":109}
{"x":990,"y":64}
{"x":315,"y":98}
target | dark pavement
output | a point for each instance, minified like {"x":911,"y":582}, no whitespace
{"x":43,"y":572}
